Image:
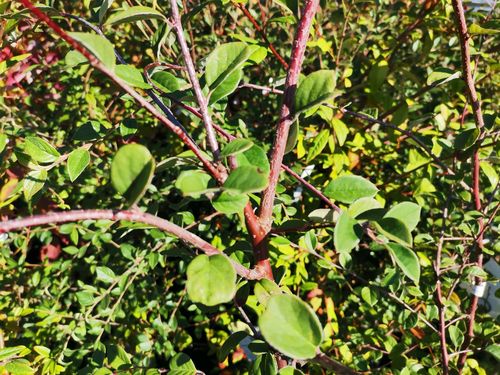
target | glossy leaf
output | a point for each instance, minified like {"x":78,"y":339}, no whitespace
{"x":132,"y":170}
{"x":246,"y":179}
{"x":349,"y":188}
{"x":316,"y":88}
{"x":40,"y":150}
{"x":33,"y":183}
{"x":291,"y":326}
{"x":132,"y":76}
{"x":347,"y":233}
{"x":133,"y":14}
{"x":406,"y":212}
{"x":406,"y":259}
{"x":77,"y":162}
{"x":394,"y":230}
{"x":99,"y":46}
{"x":211,"y":280}
{"x":165,"y":81}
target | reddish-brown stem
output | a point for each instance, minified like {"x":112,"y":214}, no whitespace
{"x":262,"y":33}
{"x":202,"y":100}
{"x":476,"y":191}
{"x":94,"y":62}
{"x":134,"y":216}
{"x":286,"y":113}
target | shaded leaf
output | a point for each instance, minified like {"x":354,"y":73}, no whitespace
{"x":406,"y":259}
{"x":394,"y":230}
{"x":347,"y":233}
{"x":316,"y":88}
{"x":406,"y":212}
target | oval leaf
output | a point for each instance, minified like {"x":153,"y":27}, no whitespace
{"x":316,"y":88}
{"x":131,"y":171}
{"x":254,"y":156}
{"x":407,"y":212}
{"x":131,"y":75}
{"x":99,"y":46}
{"x":229,"y":203}
{"x":132,"y":14}
{"x":40,"y":150}
{"x":246,"y":179}
{"x":394,"y":230}
{"x":77,"y":162}
{"x":236,"y":147}
{"x":406,"y":259}
{"x":193,"y":183}
{"x":291,"y":326}
{"x":347,"y":233}
{"x":349,"y":188}
{"x":211,"y":280}
{"x":33,"y":183}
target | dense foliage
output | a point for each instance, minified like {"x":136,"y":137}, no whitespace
{"x":379,"y":273}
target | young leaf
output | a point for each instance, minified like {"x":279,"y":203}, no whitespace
{"x":77,"y":162}
{"x":33,"y":183}
{"x":225,"y":60}
{"x":291,"y":326}
{"x":99,"y":46}
{"x":132,"y":170}
{"x":394,"y":230}
{"x":132,"y":14}
{"x":193,"y":182}
{"x":229,"y":203}
{"x":407,"y":212}
{"x":406,"y":259}
{"x":347,"y":233}
{"x":40,"y":150}
{"x":211,"y":280}
{"x":316,"y":88}
{"x":349,"y":188}
{"x":246,"y":179}
{"x":132,"y":76}
{"x":236,"y":147}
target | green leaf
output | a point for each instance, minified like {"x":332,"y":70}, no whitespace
{"x":132,"y":170}
{"x":264,"y":364}
{"x":193,"y":182}
{"x":85,"y":298}
{"x":19,"y":367}
{"x":479,"y":30}
{"x":132,"y":76}
{"x":229,"y":203}
{"x":33,"y":182}
{"x":264,"y":289}
{"x":256,"y":157}
{"x":226,"y":87}
{"x":117,"y":356}
{"x":40,"y":150}
{"x":289,"y":370}
{"x":181,"y":364}
{"x":246,"y":179}
{"x":166,"y":81}
{"x":407,"y":212}
{"x":347,"y":233}
{"x":341,"y":130}
{"x":3,"y":142}
{"x":394,"y":230}
{"x":236,"y":147}
{"x":291,"y":326}
{"x":406,"y":259}
{"x":230,"y":344}
{"x":466,"y":139}
{"x":6,"y":353}
{"x":106,"y":4}
{"x":363,"y":206}
{"x":77,"y":162}
{"x":316,"y":88}
{"x":441,"y":76}
{"x":377,"y":75}
{"x":494,"y":350}
{"x":349,"y":188}
{"x":293,"y":134}
{"x":135,"y":13}
{"x":211,"y":280}
{"x":318,"y":145}
{"x":105,"y":274}
{"x":225,"y":61}
{"x":369,"y":295}
{"x":99,"y":46}
{"x":456,"y":336}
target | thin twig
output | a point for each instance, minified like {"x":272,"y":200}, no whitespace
{"x":202,"y":100}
